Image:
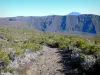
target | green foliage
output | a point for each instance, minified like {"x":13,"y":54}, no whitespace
{"x":31,"y":46}
{"x":6,"y":33}
{"x":59,"y":41}
{"x":2,"y":54}
{"x":9,"y":69}
{"x":63,"y":44}
{"x":97,"y":50}
{"x":18,"y":51}
{"x":4,"y":57}
{"x":91,"y":48}
{"x":38,"y":40}
{"x":21,"y":39}
{"x":81,"y":44}
{"x":3,"y":43}
{"x":83,"y":55}
{"x":51,"y":41}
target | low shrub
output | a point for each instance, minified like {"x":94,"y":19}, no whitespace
{"x":37,"y":40}
{"x":4,"y":57}
{"x":83,"y":56}
{"x":31,"y":46}
{"x":9,"y":69}
{"x":97,"y":50}
{"x":52,"y":43}
{"x":81,"y":44}
{"x":63,"y":44}
{"x":18,"y":51}
{"x":91,"y":48}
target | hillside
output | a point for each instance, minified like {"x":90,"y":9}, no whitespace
{"x":31,"y":52}
{"x":86,"y":23}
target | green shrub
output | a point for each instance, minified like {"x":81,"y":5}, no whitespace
{"x":83,"y":55}
{"x":62,"y":37}
{"x":3,"y":43}
{"x":31,"y":46}
{"x":6,"y":33}
{"x":52,"y":43}
{"x":97,"y":50}
{"x":17,"y":40}
{"x":81,"y":44}
{"x":18,"y":51}
{"x":4,"y":57}
{"x":91,"y":48}
{"x":9,"y":37}
{"x":63,"y":44}
{"x":58,"y":41}
{"x":37,"y":40}
{"x":9,"y":69}
{"x":2,"y":54}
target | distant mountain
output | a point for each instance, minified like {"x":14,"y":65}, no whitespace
{"x":74,"y":13}
{"x":86,"y":23}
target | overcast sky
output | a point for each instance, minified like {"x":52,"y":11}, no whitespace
{"x":9,"y":8}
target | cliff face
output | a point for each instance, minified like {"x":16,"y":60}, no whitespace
{"x":70,"y":23}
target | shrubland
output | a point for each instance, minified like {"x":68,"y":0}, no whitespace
{"x":18,"y":40}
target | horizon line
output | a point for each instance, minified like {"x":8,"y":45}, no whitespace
{"x":46,"y":15}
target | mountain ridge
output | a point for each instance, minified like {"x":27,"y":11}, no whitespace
{"x":74,"y":13}
{"x":88,"y":23}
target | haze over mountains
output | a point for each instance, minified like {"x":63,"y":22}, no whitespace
{"x":74,"y":13}
{"x":73,"y":22}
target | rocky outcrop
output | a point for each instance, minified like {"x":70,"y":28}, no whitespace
{"x":77,"y":62}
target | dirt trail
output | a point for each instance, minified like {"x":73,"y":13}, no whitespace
{"x":46,"y":64}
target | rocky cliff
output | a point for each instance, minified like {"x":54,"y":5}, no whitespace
{"x":69,"y":23}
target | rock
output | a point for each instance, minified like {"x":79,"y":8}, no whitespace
{"x":88,"y":62}
{"x":85,"y":65}
{"x":75,"y":53}
{"x":70,"y":47}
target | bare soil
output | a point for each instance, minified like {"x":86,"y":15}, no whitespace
{"x":46,"y":64}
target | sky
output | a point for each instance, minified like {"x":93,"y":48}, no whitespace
{"x":11,"y":8}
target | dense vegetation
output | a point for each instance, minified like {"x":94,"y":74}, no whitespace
{"x":17,"y":41}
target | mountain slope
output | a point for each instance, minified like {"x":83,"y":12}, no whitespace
{"x":87,"y":23}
